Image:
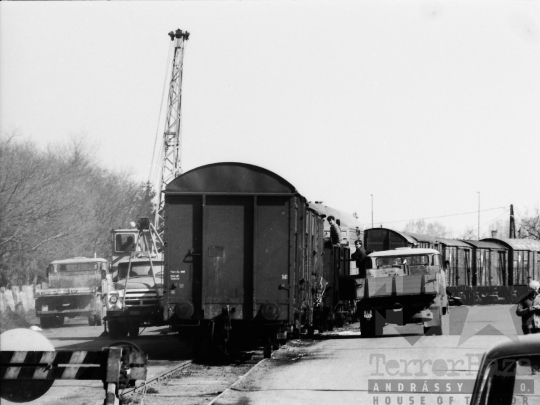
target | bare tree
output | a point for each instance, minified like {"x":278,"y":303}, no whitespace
{"x":530,"y":225}
{"x":58,"y":203}
{"x":435,"y":229}
{"x":469,"y":234}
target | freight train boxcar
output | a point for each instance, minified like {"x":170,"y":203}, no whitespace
{"x":489,"y":281}
{"x":456,"y":256}
{"x":523,"y":263}
{"x":242,"y":250}
{"x":380,"y":239}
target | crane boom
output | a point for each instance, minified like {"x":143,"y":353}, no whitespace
{"x":171,"y":148}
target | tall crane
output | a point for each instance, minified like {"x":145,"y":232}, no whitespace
{"x":172,"y":141}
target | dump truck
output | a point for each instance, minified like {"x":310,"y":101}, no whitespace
{"x":134,"y":298}
{"x":403,"y":286}
{"x":73,"y":288}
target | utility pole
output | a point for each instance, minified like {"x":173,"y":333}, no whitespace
{"x":372,"y":210}
{"x":478,"y":238}
{"x":172,"y":141}
{"x":512,"y":227}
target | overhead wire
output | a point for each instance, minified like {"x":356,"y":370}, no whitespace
{"x":436,"y":217}
{"x":153,"y":172}
{"x":498,"y":216}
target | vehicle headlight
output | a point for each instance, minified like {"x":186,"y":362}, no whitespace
{"x":113,"y":299}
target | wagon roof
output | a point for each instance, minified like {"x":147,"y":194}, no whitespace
{"x":482,"y":244}
{"x":404,"y":252}
{"x":453,"y":242}
{"x":517,"y":244}
{"x":421,"y":237}
{"x":347,"y":220}
{"x":405,"y":236}
{"x":230,"y":178}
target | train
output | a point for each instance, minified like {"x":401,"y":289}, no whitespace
{"x":246,"y":257}
{"x":487,"y":271}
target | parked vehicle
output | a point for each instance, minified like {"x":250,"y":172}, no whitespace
{"x":509,"y":371}
{"x":403,"y":286}
{"x":74,"y":288}
{"x":490,"y":271}
{"x":135,"y":296}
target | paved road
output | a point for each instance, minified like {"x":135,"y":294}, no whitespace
{"x":338,"y":369}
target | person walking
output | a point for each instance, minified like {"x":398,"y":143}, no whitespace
{"x":529,"y":309}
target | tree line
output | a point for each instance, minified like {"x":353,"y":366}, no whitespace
{"x":528,"y":227}
{"x":59,"y":203}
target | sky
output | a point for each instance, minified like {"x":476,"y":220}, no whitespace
{"x":417,"y":109}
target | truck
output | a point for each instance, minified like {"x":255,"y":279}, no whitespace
{"x":403,"y":286}
{"x":134,"y":298}
{"x":73,"y":288}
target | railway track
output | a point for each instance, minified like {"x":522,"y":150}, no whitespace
{"x":191,"y":383}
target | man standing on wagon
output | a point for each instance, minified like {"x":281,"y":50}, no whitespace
{"x":360,"y":257}
{"x":529,"y":309}
{"x":335,"y":231}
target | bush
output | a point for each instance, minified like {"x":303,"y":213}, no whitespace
{"x":13,"y":320}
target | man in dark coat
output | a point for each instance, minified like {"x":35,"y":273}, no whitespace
{"x":359,"y":256}
{"x":529,"y":309}
{"x":335,"y":231}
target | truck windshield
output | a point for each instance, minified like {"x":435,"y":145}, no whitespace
{"x":78,"y":267}
{"x":139,"y":269}
{"x":124,"y":242}
{"x":398,"y":261}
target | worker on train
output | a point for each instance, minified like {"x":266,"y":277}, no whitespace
{"x":335,"y":231}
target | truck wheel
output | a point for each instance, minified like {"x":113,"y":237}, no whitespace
{"x":441,"y":329}
{"x":267,"y":352}
{"x":123,"y":330}
{"x":133,"y":329}
{"x":113,"y":329}
{"x":45,"y":322}
{"x":432,"y":330}
{"x":58,"y":321}
{"x":367,"y":328}
{"x":91,"y":321}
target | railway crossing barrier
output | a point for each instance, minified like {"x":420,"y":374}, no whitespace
{"x":27,"y":375}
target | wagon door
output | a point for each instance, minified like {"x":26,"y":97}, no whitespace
{"x":274,"y":245}
{"x":183,"y":233}
{"x":228,"y":256}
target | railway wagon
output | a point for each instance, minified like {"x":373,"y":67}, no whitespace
{"x":523,"y":264}
{"x":489,"y":274}
{"x":379,"y":239}
{"x":242,"y":253}
{"x":350,"y":230}
{"x":456,"y":257}
{"x":424,"y":241}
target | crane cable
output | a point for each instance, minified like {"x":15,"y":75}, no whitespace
{"x":153,"y":172}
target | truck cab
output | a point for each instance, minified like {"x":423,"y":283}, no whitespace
{"x":137,"y":297}
{"x":135,"y":293}
{"x":74,"y":288}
